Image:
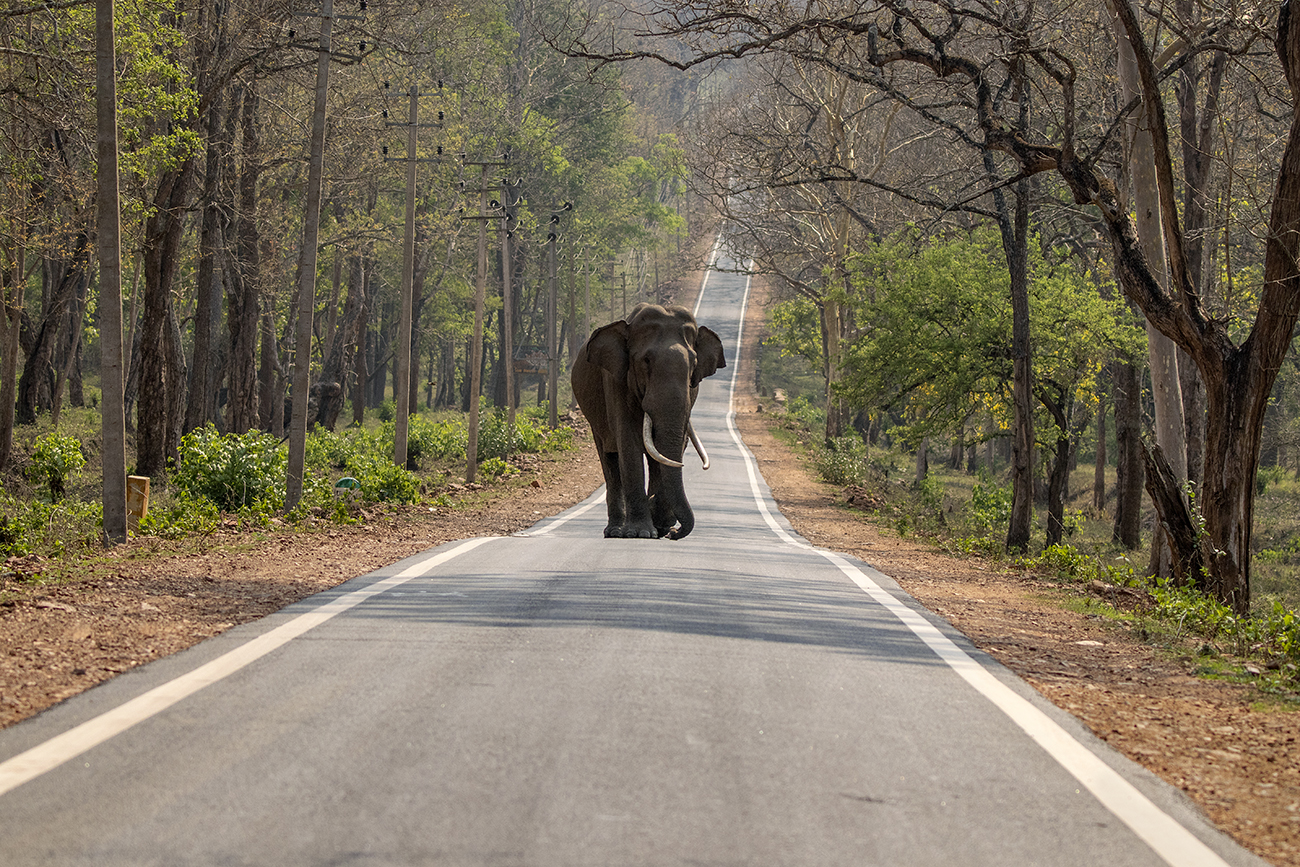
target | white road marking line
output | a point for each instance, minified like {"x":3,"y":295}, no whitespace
{"x":1166,"y":837}
{"x":49,"y":755}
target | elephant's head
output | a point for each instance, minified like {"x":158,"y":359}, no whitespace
{"x":661,"y":355}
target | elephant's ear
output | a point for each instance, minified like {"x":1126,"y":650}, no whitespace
{"x":607,"y":348}
{"x":708,"y":355}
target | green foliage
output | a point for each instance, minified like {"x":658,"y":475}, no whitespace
{"x":436,"y":440}
{"x":232,"y":471}
{"x":384,"y":481}
{"x":531,"y":434}
{"x":48,"y":529}
{"x":1062,"y":561}
{"x":933,"y":334}
{"x":55,"y":461}
{"x":843,"y":461}
{"x":801,"y":413}
{"x":795,"y":327}
{"x":180,"y":516}
{"x":989,"y":510}
{"x":496,"y":467}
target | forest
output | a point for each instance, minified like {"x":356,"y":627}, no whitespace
{"x":309,"y":185}
{"x":1001,"y":222}
{"x":1010,"y":236}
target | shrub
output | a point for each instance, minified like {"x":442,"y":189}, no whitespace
{"x":989,"y":510}
{"x":843,"y":461}
{"x":384,"y":481}
{"x":437,"y":440}
{"x":496,"y":467}
{"x":233,"y":471}
{"x":55,"y":461}
{"x":181,"y":516}
{"x":51,"y":529}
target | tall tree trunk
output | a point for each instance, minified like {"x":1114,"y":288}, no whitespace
{"x":1197,"y":125}
{"x":200,"y":403}
{"x":159,"y":379}
{"x":1099,"y":470}
{"x":10,"y":327}
{"x":109,"y":254}
{"x":244,"y":409}
{"x":1166,"y":384}
{"x":832,"y":324}
{"x":1128,"y":458}
{"x":36,"y":385}
{"x":334,"y":372}
{"x":1016,"y":244}
{"x":1058,"y":473}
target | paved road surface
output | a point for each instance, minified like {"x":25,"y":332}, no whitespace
{"x":556,"y":698}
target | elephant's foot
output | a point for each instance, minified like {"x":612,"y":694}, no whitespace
{"x":630,"y":531}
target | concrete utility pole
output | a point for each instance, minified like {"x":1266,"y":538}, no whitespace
{"x":552,"y":308}
{"x":401,"y":424}
{"x":307,"y":267}
{"x":109,"y":218}
{"x":480,"y":294}
{"x":510,"y":204}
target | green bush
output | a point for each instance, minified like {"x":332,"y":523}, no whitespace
{"x":436,"y":440}
{"x":49,"y":529}
{"x":384,"y":481}
{"x":801,"y":413}
{"x":180,"y":516}
{"x":496,"y":467}
{"x":233,"y":471}
{"x":989,"y":510}
{"x":493,"y":438}
{"x":843,"y":461}
{"x":55,"y":461}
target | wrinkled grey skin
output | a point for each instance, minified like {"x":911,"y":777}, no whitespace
{"x":652,"y":363}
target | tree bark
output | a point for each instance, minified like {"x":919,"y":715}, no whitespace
{"x":160,"y":381}
{"x":1128,"y":458}
{"x":246,"y":406}
{"x":1099,"y":469}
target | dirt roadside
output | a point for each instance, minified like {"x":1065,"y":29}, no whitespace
{"x":145,"y":600}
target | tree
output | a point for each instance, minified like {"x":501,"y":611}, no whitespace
{"x":907,"y":42}
{"x":935,"y":339}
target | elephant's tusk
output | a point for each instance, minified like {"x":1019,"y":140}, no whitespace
{"x":695,"y":441}
{"x":648,"y":440}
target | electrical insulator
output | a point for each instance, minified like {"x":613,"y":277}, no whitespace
{"x":362,"y":46}
{"x":385,"y":150}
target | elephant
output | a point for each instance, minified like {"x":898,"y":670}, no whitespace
{"x":636,"y":381}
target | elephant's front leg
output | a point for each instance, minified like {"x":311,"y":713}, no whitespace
{"x":615,"y":508}
{"x":637,"y":523}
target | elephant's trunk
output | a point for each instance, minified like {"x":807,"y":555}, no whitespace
{"x":673,"y":514}
{"x":648,"y":438}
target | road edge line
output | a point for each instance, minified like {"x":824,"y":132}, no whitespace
{"x":44,"y":757}
{"x":1166,"y":836}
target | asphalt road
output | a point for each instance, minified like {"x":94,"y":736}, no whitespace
{"x":557,"y":698}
